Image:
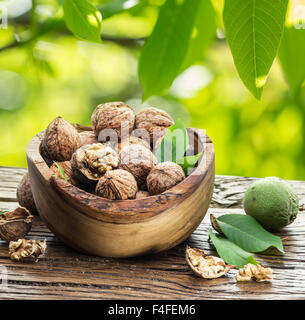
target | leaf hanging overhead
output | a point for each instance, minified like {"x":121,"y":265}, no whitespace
{"x":165,"y":50}
{"x":83,"y":19}
{"x":253,"y":31}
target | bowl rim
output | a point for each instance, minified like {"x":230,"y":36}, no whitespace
{"x":125,"y":211}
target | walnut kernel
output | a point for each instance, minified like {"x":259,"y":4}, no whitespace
{"x":117,"y":185}
{"x":164,"y":176}
{"x":23,"y":249}
{"x":253,"y":272}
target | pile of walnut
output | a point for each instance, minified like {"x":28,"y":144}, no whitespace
{"x":210,"y":267}
{"x":120,"y":169}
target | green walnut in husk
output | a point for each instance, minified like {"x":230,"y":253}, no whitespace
{"x":272,"y":202}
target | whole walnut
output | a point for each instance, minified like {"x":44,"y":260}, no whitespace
{"x":24,"y":194}
{"x":91,"y":161}
{"x":87,"y":137}
{"x":117,"y":185}
{"x":131,"y":140}
{"x":154,"y":121}
{"x":67,"y":169}
{"x":117,"y":116}
{"x":60,"y":141}
{"x":139,"y":161}
{"x":164,"y":176}
{"x":141,"y":194}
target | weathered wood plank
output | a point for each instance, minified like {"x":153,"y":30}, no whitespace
{"x":63,"y":273}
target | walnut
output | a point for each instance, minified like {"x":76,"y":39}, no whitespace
{"x":15,"y":224}
{"x":61,"y":140}
{"x":154,"y":121}
{"x":117,"y":116}
{"x":91,"y":161}
{"x":23,"y":249}
{"x":139,"y":161}
{"x":131,"y":140}
{"x":253,"y":272}
{"x":164,"y":176}
{"x":87,"y":137}
{"x":142,"y":194}
{"x":117,"y":185}
{"x":24,"y":194}
{"x":208,"y":267}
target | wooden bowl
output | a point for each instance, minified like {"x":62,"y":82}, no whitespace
{"x":125,"y":228}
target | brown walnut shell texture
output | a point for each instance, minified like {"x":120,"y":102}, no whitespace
{"x":164,"y":176}
{"x":139,"y":161}
{"x":91,"y":161}
{"x":117,"y":185}
{"x":113,"y":115}
{"x":87,"y":137}
{"x":61,"y":140}
{"x":155,"y":121}
{"x":141,"y":194}
{"x":24,"y":194}
{"x":15,"y":224}
{"x":131,"y":140}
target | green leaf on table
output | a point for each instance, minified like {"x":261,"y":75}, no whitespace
{"x":174,"y":143}
{"x":253,"y":30}
{"x":166,"y":48}
{"x":291,"y":54}
{"x":83,"y":19}
{"x":230,"y":252}
{"x":187,"y":163}
{"x":247,"y":233}
{"x":203,"y":33}
{"x":61,"y":171}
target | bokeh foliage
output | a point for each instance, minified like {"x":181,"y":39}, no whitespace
{"x":56,"y":74}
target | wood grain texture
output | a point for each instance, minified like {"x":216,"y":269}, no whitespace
{"x":63,"y":273}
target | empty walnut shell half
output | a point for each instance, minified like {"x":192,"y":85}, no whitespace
{"x":15,"y":224}
{"x":91,"y":161}
{"x":117,"y":116}
{"x":207,"y":267}
{"x":24,"y":194}
{"x":61,"y":140}
{"x":117,"y":185}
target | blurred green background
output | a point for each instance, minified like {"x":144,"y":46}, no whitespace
{"x":60,"y":75}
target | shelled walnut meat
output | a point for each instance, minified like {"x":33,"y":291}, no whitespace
{"x":254,"y":272}
{"x":25,"y":196}
{"x":154,"y":121}
{"x":91,"y":161}
{"x":164,"y":176}
{"x":204,"y":266}
{"x":117,"y":185}
{"x":139,"y":161}
{"x":60,"y":141}
{"x":117,"y":116}
{"x":26,"y":249}
{"x":15,"y":224}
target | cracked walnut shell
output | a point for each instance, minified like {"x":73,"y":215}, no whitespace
{"x":60,"y":141}
{"x":91,"y":161}
{"x":154,"y":121}
{"x":207,"y":267}
{"x":15,"y":224}
{"x":24,"y":194}
{"x":164,"y":176}
{"x":139,"y":161}
{"x":117,"y":116}
{"x":24,"y":249}
{"x":117,"y":185}
{"x":253,"y":272}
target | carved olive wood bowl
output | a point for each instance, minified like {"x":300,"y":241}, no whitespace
{"x":122,"y":228}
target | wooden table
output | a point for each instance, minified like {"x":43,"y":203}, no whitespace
{"x":63,"y":273}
